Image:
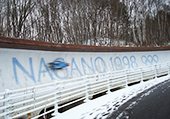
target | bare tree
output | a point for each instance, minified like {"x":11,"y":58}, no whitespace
{"x":88,"y":22}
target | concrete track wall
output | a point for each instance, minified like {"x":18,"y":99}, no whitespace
{"x":21,"y":68}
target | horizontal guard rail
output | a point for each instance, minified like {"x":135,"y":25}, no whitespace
{"x":59,"y":94}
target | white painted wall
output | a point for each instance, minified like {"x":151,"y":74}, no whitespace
{"x":24,"y":68}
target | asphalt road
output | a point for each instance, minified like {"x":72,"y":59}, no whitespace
{"x":153,"y":103}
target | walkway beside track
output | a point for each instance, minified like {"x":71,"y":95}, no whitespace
{"x":153,"y":103}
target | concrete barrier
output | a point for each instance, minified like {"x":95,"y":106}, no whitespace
{"x":23,"y":68}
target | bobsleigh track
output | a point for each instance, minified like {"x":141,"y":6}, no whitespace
{"x":38,"y":78}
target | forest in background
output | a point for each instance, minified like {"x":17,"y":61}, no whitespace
{"x":88,"y":22}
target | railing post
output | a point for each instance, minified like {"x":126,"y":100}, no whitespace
{"x":168,"y":68}
{"x":141,"y":74}
{"x":126,"y":77}
{"x":155,"y":71}
{"x":7,"y":91}
{"x":34,"y":95}
{"x":87,"y":89}
{"x":56,"y":103}
{"x":108,"y":82}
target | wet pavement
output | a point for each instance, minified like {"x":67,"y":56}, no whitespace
{"x":153,"y":103}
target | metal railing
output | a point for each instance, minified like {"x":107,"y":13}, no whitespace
{"x":35,"y":102}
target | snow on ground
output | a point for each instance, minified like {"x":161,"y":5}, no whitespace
{"x":101,"y":107}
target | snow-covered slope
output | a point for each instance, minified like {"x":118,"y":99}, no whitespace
{"x":101,"y":107}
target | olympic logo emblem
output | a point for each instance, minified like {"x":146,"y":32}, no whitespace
{"x":149,"y":60}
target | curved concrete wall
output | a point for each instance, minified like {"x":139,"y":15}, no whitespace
{"x":23,"y":68}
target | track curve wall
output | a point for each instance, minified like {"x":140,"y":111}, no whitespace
{"x":22,"y":67}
